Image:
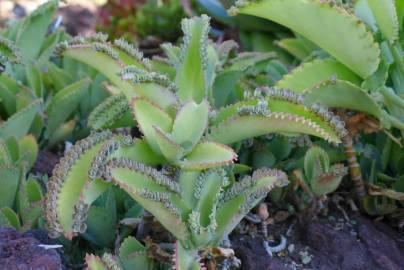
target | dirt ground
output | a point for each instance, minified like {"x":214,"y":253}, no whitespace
{"x":23,"y":251}
{"x":78,"y":15}
{"x":329,"y":243}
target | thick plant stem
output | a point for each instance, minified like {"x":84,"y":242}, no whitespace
{"x":186,"y":259}
{"x":389,"y":94}
{"x":354,"y":168}
{"x":395,"y":122}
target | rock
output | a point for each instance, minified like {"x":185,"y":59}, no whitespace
{"x":370,"y":249}
{"x":253,"y":256}
{"x":21,"y":252}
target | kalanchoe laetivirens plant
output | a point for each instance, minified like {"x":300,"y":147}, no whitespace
{"x":195,"y":195}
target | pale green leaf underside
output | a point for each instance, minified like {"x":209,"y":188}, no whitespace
{"x":281,"y":106}
{"x":111,"y":69}
{"x":333,"y":29}
{"x":311,"y":73}
{"x":299,"y":112}
{"x":243,"y":127}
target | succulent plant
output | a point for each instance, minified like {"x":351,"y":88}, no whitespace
{"x":195,"y":195}
{"x":319,"y":174}
{"x":367,"y":78}
{"x":37,"y":96}
{"x":20,"y":196}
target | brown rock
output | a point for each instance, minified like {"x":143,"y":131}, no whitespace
{"x":19,"y":252}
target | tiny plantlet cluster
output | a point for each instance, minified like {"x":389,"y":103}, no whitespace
{"x":183,"y":169}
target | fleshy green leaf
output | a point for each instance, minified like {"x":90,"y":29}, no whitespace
{"x":319,"y":22}
{"x":312,"y":73}
{"x":342,"y":94}
{"x":243,"y":127}
{"x":111,"y":68}
{"x":191,"y":78}
{"x":28,"y":146}
{"x":206,"y":155}
{"x":11,"y":217}
{"x":385,"y":14}
{"x":133,"y":254}
{"x":239,"y":200}
{"x":155,"y":198}
{"x":65,"y":188}
{"x":64,"y":103}
{"x":19,"y":124}
{"x":169,"y":148}
{"x":35,"y":78}
{"x":32,"y":32}
{"x":190,"y":124}
{"x":148,"y":115}
{"x":111,"y":110}
{"x":316,"y":161}
{"x":295,"y":47}
{"x":9,"y":179}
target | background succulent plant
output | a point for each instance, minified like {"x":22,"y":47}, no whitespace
{"x":328,"y":74}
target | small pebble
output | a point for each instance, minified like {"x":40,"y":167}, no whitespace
{"x":291,"y":248}
{"x":305,"y":257}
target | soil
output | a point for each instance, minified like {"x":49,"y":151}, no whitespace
{"x":45,"y":162}
{"x":329,"y":243}
{"x":21,"y":251}
{"x":78,"y":19}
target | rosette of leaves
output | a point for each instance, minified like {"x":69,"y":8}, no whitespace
{"x":37,"y":95}
{"x":321,"y":177}
{"x":317,"y":179}
{"x":196,"y":195}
